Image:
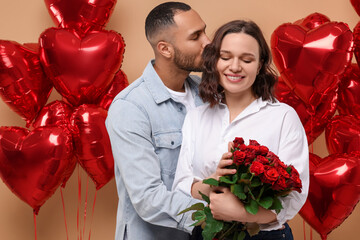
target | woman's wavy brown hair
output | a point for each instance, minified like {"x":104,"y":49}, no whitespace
{"x":210,"y":90}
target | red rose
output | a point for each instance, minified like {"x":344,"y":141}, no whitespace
{"x":239,"y":157}
{"x":282,"y":172}
{"x":257,"y":168}
{"x":295,"y":180}
{"x":279,"y":185}
{"x":278,"y":163}
{"x":238,"y":141}
{"x":253,"y":143}
{"x":272,"y":156}
{"x":270,"y":175}
{"x":263,"y":150}
{"x":262,"y":159}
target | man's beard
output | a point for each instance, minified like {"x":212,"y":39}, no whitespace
{"x":186,"y":62}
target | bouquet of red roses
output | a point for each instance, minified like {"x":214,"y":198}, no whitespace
{"x":260,"y":180}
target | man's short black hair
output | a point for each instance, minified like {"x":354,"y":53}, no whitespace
{"x":162,"y":16}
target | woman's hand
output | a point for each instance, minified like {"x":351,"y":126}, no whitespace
{"x":226,"y":206}
{"x":221,"y":169}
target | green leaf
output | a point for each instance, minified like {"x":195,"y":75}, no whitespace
{"x":212,"y":226}
{"x":252,"y":207}
{"x":238,"y":190}
{"x":276,"y":204}
{"x":211,"y":181}
{"x":198,"y":215}
{"x":230,"y":179}
{"x":196,"y":206}
{"x":255,"y":182}
{"x":245,"y":176}
{"x":241,"y":235}
{"x":266,"y":202}
{"x":206,"y":198}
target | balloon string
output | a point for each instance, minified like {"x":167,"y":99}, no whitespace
{"x":79,"y":203}
{"x":92,"y":214}
{"x":304,"y":229}
{"x":86,"y":197}
{"x":35,"y":224}
{"x":63,"y":203}
{"x":311,"y":233}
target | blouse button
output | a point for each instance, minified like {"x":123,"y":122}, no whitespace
{"x":172,"y":142}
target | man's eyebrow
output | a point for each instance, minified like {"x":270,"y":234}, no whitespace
{"x":199,"y":31}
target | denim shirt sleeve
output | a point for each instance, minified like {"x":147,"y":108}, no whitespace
{"x":139,"y":168}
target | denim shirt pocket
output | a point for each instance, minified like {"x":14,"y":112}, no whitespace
{"x":167,"y":147}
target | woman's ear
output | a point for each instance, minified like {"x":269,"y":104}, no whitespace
{"x":165,"y":49}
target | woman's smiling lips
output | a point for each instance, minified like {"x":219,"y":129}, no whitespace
{"x":234,"y":77}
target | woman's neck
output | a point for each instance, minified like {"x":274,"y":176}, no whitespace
{"x":236,"y":104}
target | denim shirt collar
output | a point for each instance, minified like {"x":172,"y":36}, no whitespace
{"x":158,"y":90}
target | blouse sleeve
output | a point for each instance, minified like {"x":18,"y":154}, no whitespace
{"x":293,"y":150}
{"x":184,"y":176}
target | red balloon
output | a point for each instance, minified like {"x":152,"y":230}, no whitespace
{"x":356,"y":5}
{"x":333,"y":193}
{"x":80,"y":15}
{"x":81,"y":69}
{"x":310,"y":61}
{"x":33,"y":164}
{"x":119,"y":83}
{"x":314,"y":122}
{"x":23,"y":84}
{"x":92,"y":143}
{"x":357,"y":42}
{"x":349,"y":89}
{"x":313,"y":21}
{"x":56,"y":113}
{"x":343,"y":134}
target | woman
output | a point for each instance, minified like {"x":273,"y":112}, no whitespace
{"x":237,"y":87}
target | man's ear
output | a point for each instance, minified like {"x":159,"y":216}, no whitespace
{"x":165,"y":49}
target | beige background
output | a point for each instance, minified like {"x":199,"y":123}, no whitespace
{"x":24,"y":20}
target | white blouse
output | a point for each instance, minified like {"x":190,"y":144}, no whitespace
{"x":207,"y":131}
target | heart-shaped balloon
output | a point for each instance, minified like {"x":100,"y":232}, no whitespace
{"x":314,"y":122}
{"x":33,"y":164}
{"x":92,"y":143}
{"x":23,"y":84}
{"x":310,"y":61}
{"x":80,"y":15}
{"x":81,"y":69}
{"x":119,"y":83}
{"x":356,"y":5}
{"x":349,"y":89}
{"x":356,"y":34}
{"x":56,"y":113}
{"x":333,"y":193}
{"x":312,"y":21}
{"x":343,"y":134}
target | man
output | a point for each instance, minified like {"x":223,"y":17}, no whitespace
{"x":144,"y":124}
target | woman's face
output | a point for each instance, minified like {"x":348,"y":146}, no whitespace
{"x":238,"y":64}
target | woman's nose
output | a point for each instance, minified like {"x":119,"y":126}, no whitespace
{"x":235,"y":66}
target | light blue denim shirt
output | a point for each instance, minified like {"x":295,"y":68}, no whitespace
{"x":144,"y":124}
